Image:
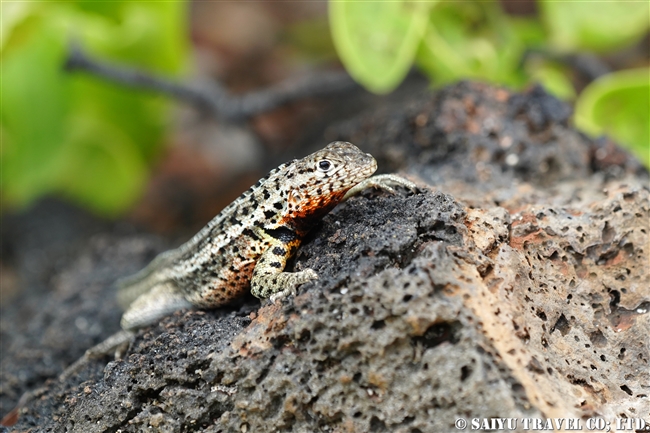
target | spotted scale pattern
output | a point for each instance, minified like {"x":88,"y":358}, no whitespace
{"x":249,"y":243}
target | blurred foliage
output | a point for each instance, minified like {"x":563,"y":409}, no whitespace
{"x":72,"y":134}
{"x":378,"y":42}
{"x":597,"y":27}
{"x":475,"y":40}
{"x":619,"y":104}
{"x":310,"y":40}
{"x":93,"y":141}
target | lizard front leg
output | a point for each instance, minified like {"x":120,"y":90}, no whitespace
{"x":381,"y":181}
{"x":269,"y":280}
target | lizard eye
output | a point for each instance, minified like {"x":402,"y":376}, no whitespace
{"x":324,"y":165}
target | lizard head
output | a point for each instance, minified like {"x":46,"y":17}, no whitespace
{"x":318,"y":182}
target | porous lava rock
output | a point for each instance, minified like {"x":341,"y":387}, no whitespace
{"x":514,"y":283}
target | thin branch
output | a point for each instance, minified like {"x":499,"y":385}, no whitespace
{"x":212,"y":97}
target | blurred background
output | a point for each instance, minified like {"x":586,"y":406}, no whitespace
{"x":104,"y":149}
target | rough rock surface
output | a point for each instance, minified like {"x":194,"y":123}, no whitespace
{"x":515,"y":283}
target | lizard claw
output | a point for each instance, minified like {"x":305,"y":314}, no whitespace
{"x":309,"y":274}
{"x":302,"y":277}
{"x":281,"y":295}
{"x":385,"y":187}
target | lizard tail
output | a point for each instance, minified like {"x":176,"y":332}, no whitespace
{"x":131,"y":288}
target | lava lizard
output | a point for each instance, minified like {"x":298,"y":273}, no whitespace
{"x":248,"y":244}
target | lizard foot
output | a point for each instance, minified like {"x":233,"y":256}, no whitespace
{"x":297,"y":278}
{"x":381,"y":181}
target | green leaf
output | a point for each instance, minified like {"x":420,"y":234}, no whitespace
{"x":113,"y":10}
{"x":12,"y":14}
{"x":148,"y":34}
{"x":529,"y":32}
{"x":103,"y":170}
{"x":377,"y":40}
{"x":618,"y":104}
{"x":35,"y":100}
{"x":601,"y":26}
